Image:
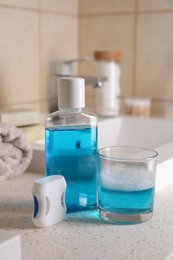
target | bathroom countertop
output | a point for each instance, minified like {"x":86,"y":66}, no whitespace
{"x":83,"y":235}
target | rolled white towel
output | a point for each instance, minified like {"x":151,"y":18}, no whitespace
{"x":15,"y":152}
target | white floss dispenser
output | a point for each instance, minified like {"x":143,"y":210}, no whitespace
{"x":49,"y":200}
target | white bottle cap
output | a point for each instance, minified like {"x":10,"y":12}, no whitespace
{"x":71,"y":92}
{"x":49,"y":200}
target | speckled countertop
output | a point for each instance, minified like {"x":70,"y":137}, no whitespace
{"x":84,"y":236}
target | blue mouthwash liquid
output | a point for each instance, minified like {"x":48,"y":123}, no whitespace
{"x":126,"y":202}
{"x":71,"y":152}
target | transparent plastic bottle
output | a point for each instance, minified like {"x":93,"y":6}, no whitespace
{"x":71,"y":144}
{"x":107,"y":96}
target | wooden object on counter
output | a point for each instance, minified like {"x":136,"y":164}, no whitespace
{"x":137,"y":106}
{"x":19,"y":116}
{"x":33,"y":133}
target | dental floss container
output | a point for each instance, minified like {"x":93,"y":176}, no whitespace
{"x":49,"y":200}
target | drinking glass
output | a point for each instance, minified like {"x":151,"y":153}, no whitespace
{"x":126,"y":183}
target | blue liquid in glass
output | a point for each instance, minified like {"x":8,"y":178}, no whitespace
{"x":126,"y":202}
{"x":71,"y":152}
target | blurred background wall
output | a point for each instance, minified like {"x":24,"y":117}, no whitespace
{"x":34,"y":33}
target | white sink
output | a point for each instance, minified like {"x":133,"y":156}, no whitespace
{"x":138,"y":131}
{"x":130,"y":131}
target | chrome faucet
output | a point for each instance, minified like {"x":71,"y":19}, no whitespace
{"x":66,"y":69}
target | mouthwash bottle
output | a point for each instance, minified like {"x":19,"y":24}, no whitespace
{"x":71,"y":144}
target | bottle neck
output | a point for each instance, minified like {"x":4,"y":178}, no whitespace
{"x":71,"y":110}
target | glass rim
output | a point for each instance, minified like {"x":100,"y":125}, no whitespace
{"x":116,"y":158}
